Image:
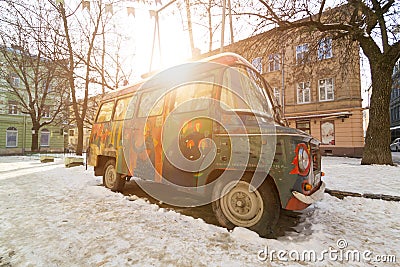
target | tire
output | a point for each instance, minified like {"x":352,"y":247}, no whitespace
{"x":111,"y":179}
{"x":258,"y":210}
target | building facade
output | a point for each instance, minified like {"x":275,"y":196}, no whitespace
{"x":16,"y":129}
{"x":73,"y":138}
{"x":395,"y":103}
{"x":16,"y":126}
{"x":319,"y":91}
{"x":92,"y":106}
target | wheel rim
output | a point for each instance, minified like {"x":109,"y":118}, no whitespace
{"x":240,"y":206}
{"x":110,"y":176}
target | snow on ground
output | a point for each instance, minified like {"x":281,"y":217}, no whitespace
{"x":346,"y":174}
{"x":54,"y":216}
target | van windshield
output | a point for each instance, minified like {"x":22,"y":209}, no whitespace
{"x":244,"y":91}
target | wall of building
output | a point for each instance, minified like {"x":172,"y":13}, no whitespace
{"x":348,"y":133}
{"x":23,"y":126}
{"x":344,"y":111}
{"x":73,"y":138}
{"x":395,"y":103}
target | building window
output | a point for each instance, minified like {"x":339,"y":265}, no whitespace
{"x":45,"y":137}
{"x":396,"y":92}
{"x":327,"y":133}
{"x":277,"y":95}
{"x":257,"y":63}
{"x":11,"y":137}
{"x":71,"y":132}
{"x":396,"y":113}
{"x":396,"y":67}
{"x":301,"y":53}
{"x":12,"y":107}
{"x":273,"y":62}
{"x":303,"y":126}
{"x":46,"y":112}
{"x":14,"y":80}
{"x":303,"y":92}
{"x":326,"y":89}
{"x":48,"y":87}
{"x":325,"y":48}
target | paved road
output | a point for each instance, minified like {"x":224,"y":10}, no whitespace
{"x":396,"y":157}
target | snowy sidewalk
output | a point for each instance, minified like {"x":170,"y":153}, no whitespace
{"x":54,"y":216}
{"x":347,"y":174}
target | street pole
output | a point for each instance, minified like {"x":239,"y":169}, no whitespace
{"x":230,"y":20}
{"x":189,"y":22}
{"x":223,"y":26}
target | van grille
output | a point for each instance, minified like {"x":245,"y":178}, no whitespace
{"x":316,"y":157}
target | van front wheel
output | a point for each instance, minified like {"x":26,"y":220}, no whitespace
{"x":257,"y":210}
{"x":112,"y":179}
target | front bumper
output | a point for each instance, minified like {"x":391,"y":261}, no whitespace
{"x":310,"y":199}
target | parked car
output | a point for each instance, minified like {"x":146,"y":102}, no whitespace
{"x":129,"y":138}
{"x":395,"y":146}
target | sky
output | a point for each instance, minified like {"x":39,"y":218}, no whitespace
{"x":140,"y":52}
{"x":174,"y":39}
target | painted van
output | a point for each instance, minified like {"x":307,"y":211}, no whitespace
{"x":210,"y":129}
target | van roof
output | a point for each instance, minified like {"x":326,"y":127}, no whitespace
{"x":226,"y":58}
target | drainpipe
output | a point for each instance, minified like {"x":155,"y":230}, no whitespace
{"x":283,"y":81}
{"x":24,"y":135}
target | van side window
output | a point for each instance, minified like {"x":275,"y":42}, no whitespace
{"x":232,"y":100}
{"x":196,"y":90}
{"x":131,"y":107}
{"x":105,"y":112}
{"x":151,"y":104}
{"x":121,"y":108}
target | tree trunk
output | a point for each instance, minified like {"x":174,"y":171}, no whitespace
{"x":377,"y":141}
{"x":190,"y":29}
{"x":35,"y":139}
{"x":79,"y":146}
{"x":210,"y":30}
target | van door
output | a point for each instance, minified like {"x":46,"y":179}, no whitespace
{"x":124,"y":111}
{"x":101,"y":133}
{"x":187,"y":132}
{"x":142,"y":136}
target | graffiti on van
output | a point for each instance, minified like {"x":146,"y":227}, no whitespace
{"x":210,"y":129}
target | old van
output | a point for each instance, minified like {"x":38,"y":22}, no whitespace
{"x":210,"y":129}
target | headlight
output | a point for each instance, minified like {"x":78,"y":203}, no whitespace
{"x":301,"y":161}
{"x":304,"y":159}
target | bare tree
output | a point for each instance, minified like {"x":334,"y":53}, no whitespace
{"x":79,"y":39}
{"x":34,"y":77}
{"x":372,"y":25}
{"x":107,"y":61}
{"x":85,"y":48}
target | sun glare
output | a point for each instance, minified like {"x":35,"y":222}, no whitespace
{"x":153,"y":48}
{"x":133,"y":39}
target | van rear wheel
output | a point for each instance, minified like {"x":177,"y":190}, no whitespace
{"x":257,"y":210}
{"x":111,"y":179}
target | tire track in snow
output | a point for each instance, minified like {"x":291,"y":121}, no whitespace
{"x":29,"y":170}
